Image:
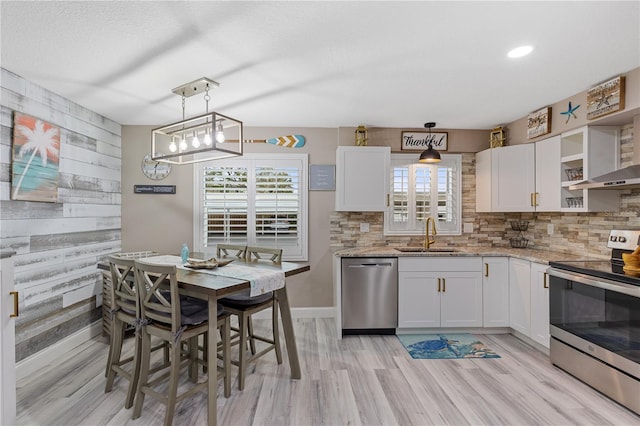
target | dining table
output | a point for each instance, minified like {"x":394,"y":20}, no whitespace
{"x":203,"y":284}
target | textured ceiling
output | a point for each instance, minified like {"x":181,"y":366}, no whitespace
{"x":321,"y":64}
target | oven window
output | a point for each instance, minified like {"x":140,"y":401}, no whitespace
{"x":602,"y":317}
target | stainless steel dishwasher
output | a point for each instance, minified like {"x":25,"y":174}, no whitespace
{"x":369,"y":295}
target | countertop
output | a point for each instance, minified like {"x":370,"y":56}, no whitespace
{"x":533,"y":255}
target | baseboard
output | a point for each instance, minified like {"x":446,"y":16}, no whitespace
{"x":324,"y":312}
{"x":35,"y":362}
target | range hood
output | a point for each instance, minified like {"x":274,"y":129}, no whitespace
{"x":626,"y":178}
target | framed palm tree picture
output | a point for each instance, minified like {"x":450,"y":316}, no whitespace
{"x":35,"y":159}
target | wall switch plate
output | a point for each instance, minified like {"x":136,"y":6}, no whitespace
{"x":364,"y":227}
{"x":467,"y":228}
{"x":550,"y":228}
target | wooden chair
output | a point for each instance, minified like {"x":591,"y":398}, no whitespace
{"x":175,"y":320}
{"x":239,"y":251}
{"x":244,"y":306}
{"x":125,"y":311}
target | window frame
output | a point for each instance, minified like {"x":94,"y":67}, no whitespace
{"x":416,"y":227}
{"x":252,"y":162}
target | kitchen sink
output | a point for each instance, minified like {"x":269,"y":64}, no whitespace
{"x":425,"y":250}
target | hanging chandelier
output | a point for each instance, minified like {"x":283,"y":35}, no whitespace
{"x":210,"y":136}
{"x":430,"y":155}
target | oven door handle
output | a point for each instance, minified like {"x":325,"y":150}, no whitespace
{"x":602,"y":283}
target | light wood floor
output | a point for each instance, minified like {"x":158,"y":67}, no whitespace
{"x":360,"y":380}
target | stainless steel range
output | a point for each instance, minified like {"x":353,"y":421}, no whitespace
{"x":594,"y":311}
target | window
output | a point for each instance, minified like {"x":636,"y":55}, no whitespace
{"x":419,"y":190}
{"x":256,"y":199}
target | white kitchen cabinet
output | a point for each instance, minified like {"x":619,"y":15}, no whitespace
{"x":520,"y":295}
{"x":540,"y":304}
{"x":519,"y":178}
{"x":439,"y":292}
{"x":547,"y":171}
{"x":362,"y":178}
{"x":495,"y":291}
{"x":589,"y":152}
{"x":7,"y":340}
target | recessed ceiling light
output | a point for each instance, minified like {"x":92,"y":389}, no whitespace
{"x":519,"y":52}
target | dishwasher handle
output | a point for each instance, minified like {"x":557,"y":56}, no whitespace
{"x":371,"y":265}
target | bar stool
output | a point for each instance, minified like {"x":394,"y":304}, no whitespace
{"x":243,"y":306}
{"x":175,"y":323}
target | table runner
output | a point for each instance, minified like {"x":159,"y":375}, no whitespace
{"x":261,"y":280}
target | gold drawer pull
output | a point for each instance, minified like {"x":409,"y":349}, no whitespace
{"x":486,"y":269}
{"x":438,"y":285}
{"x":15,"y":304}
{"x":545,"y":283}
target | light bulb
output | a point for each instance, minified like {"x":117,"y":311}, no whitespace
{"x":220,"y":133}
{"x":183,"y":144}
{"x":195,"y":142}
{"x":207,"y":139}
{"x":172,"y":146}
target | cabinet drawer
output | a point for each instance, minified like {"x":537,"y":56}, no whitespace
{"x":440,"y":264}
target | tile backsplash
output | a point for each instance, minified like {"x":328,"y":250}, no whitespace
{"x":576,"y":233}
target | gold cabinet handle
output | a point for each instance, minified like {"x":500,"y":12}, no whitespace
{"x":486,"y":269}
{"x":15,"y":304}
{"x":388,"y":200}
{"x":545,"y":283}
{"x":444,"y":285}
{"x":531,"y":199}
{"x":438,"y":285}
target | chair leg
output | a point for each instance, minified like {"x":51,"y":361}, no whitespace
{"x":252,"y":341}
{"x":145,"y":341}
{"x":117,"y":331}
{"x":173,"y":383}
{"x":276,"y":331}
{"x":135,"y":372}
{"x":193,"y":358}
{"x":242,"y":365}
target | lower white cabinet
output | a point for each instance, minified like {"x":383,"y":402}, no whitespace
{"x":529,"y":300}
{"x":540,"y":304}
{"x":495,"y":291}
{"x":520,"y":295}
{"x":439,"y":292}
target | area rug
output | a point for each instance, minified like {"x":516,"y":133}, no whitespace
{"x":445,"y":346}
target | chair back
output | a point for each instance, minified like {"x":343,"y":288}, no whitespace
{"x":270,"y":253}
{"x":124,"y":295}
{"x":236,"y":250}
{"x":159,"y":299}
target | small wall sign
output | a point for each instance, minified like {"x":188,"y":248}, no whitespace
{"x":322,"y":177}
{"x":154,"y":189}
{"x":605,"y":98}
{"x":539,"y":123}
{"x":419,"y":141}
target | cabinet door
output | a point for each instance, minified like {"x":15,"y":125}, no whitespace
{"x":7,"y":344}
{"x":548,"y":180}
{"x":483,"y":181}
{"x":513,"y":181}
{"x":540,"y":304}
{"x":495,"y":292}
{"x":520,"y":296}
{"x":362,"y":178}
{"x":460,"y":299}
{"x":418,"y":300}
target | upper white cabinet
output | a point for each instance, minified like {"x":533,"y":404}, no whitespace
{"x":362,"y":178}
{"x":519,"y":178}
{"x":588,"y":152}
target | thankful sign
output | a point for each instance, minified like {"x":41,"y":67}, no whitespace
{"x":419,"y":141}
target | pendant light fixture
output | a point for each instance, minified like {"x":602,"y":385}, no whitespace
{"x":430,"y":155}
{"x":210,"y":136}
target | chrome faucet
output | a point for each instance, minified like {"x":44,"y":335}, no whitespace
{"x":427,"y":241}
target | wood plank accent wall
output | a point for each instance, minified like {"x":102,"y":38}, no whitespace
{"x":59,"y":244}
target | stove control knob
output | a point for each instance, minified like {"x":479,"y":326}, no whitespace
{"x":622,"y":239}
{"x":613,"y":238}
